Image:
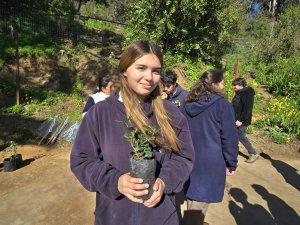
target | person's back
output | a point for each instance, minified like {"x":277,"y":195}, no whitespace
{"x":212,"y":125}
{"x":206,"y":119}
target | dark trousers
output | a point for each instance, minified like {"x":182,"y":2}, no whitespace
{"x":244,"y":140}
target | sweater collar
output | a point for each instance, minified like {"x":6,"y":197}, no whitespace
{"x":116,"y":99}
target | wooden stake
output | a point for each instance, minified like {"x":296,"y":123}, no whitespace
{"x":236,"y":67}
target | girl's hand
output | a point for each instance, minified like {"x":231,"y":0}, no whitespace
{"x":132,"y":187}
{"x":229,"y":173}
{"x":158,"y":187}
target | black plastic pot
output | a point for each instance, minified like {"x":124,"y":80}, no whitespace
{"x":144,"y":169}
{"x":19,"y":160}
{"x":9,"y":164}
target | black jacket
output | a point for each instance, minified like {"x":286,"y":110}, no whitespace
{"x":243,"y":105}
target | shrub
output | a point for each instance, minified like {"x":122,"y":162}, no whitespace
{"x":7,"y":87}
{"x":33,"y":44}
{"x":229,"y":77}
{"x":282,"y":76}
{"x":259,"y":124}
{"x":249,"y":129}
{"x":50,"y":100}
{"x":278,"y":136}
{"x":192,"y":68}
{"x":284,"y":113}
{"x":100,"y":25}
{"x":16,"y":109}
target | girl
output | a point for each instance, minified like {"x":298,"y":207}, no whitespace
{"x":100,"y":154}
{"x":214,"y":134}
{"x":104,"y":90}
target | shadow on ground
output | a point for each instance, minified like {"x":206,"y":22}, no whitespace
{"x":288,"y":172}
{"x":248,"y":214}
{"x":17,"y":128}
{"x":281,"y":211}
{"x":25,"y":163}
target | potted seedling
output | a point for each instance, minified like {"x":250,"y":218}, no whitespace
{"x":14,"y":161}
{"x":142,"y":162}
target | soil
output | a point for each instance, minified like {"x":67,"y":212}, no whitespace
{"x":44,"y":190}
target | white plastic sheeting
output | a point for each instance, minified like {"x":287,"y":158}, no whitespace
{"x":57,"y":128}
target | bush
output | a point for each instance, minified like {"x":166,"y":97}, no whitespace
{"x":50,"y":100}
{"x":259,"y":124}
{"x":284,"y":112}
{"x":229,"y":77}
{"x":7,"y":87}
{"x":99,"y":25}
{"x":16,"y":109}
{"x":34,"y":44}
{"x":278,"y":136}
{"x":282,"y":76}
{"x":192,"y":68}
{"x":249,"y":129}
{"x":92,"y":9}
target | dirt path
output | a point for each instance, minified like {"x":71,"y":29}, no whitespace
{"x":46,"y":192}
{"x":266,"y":192}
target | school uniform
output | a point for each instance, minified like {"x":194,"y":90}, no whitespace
{"x":242,"y":104}
{"x":100,"y":155}
{"x":215,"y":139}
{"x":92,"y":100}
{"x":177,"y":98}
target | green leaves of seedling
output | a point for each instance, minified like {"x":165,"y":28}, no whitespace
{"x":141,"y":142}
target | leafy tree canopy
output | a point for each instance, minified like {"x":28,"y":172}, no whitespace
{"x":196,"y":28}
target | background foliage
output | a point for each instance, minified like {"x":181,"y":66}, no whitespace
{"x":195,"y":36}
{"x":200,"y":29}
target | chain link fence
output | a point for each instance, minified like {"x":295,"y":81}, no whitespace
{"x":57,"y":26}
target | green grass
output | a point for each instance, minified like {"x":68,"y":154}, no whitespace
{"x":30,"y":45}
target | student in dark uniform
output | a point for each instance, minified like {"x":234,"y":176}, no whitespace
{"x":104,"y":90}
{"x":243,"y":105}
{"x":100,"y":153}
{"x":212,"y":124}
{"x":172,"y":91}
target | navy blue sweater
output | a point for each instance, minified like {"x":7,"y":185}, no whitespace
{"x":178,"y":97}
{"x":215,"y":140}
{"x":100,"y":155}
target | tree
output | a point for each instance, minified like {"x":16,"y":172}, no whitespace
{"x":272,"y":7}
{"x":271,"y":38}
{"x":196,"y":28}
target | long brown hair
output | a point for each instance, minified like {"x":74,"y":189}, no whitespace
{"x":130,"y":98}
{"x":204,"y":86}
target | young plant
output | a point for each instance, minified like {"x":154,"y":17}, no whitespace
{"x":141,"y":142}
{"x":13,"y":148}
